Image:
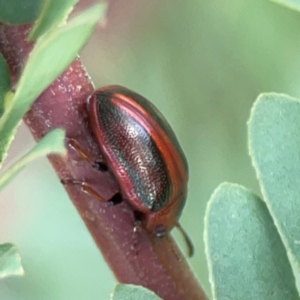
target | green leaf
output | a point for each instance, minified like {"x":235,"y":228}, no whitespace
{"x":132,"y":292}
{"x":4,"y":82}
{"x":19,"y":12}
{"x":54,"y":13}
{"x":53,"y":142}
{"x":52,"y":53}
{"x":292,"y":4}
{"x":274,"y":143}
{"x":245,"y":254}
{"x":10,"y":261}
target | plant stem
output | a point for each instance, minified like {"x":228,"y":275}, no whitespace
{"x":158,"y":265}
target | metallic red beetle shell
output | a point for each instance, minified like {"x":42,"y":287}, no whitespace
{"x":142,"y":151}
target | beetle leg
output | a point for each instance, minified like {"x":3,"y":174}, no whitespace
{"x":187,"y":240}
{"x":85,"y":187}
{"x":138,"y":217}
{"x":100,"y":166}
{"x":115,"y":199}
{"x":76,"y":146}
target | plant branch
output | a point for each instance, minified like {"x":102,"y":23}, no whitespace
{"x":159,"y":265}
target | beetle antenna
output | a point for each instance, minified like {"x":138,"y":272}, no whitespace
{"x":187,"y":240}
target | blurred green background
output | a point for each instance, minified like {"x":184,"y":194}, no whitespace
{"x":202,"y":63}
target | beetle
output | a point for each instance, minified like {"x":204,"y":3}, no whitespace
{"x":142,"y":151}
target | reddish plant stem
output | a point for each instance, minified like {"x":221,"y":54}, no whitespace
{"x":159,"y":265}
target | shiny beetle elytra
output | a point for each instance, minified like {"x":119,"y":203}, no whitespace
{"x":142,"y":151}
